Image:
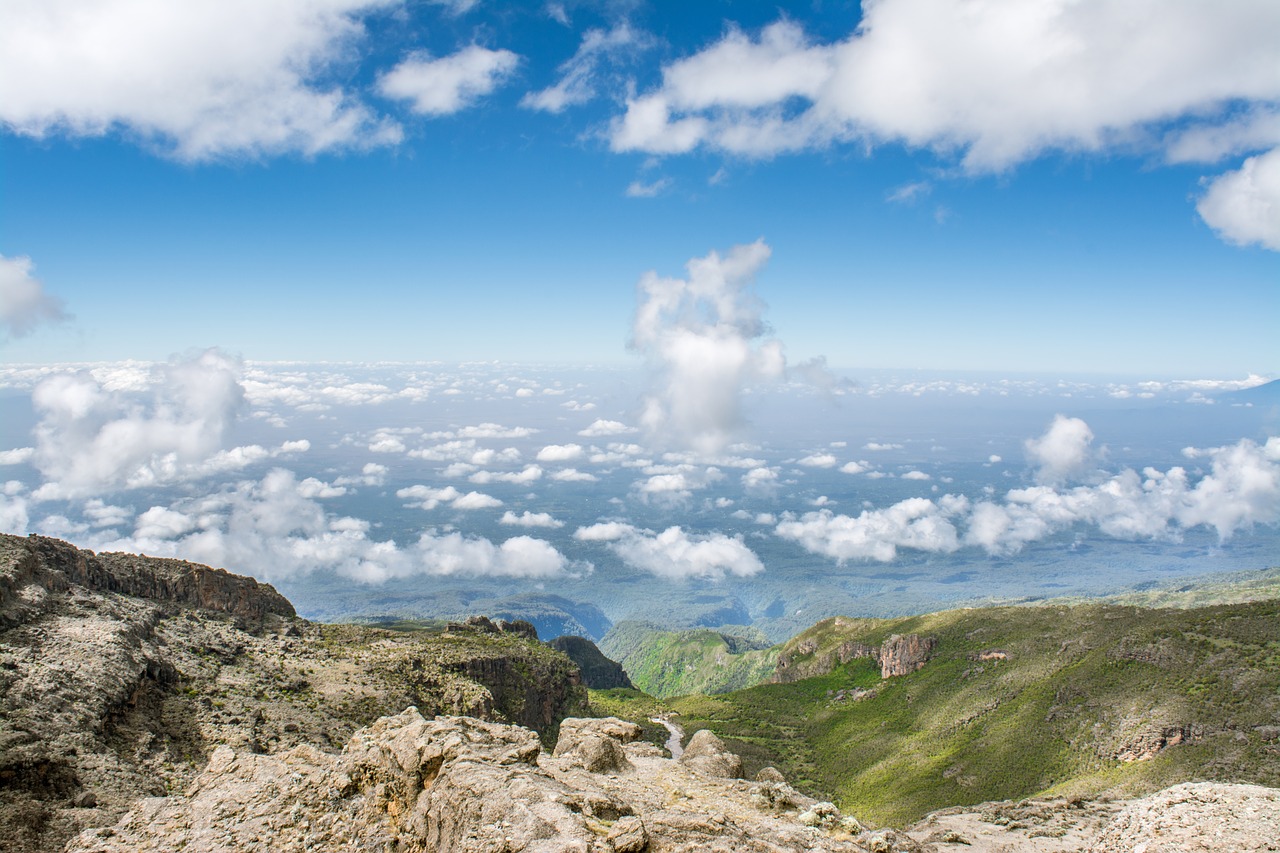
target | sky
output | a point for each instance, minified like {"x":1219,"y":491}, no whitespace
{"x":1072,"y":187}
{"x":839,"y":308}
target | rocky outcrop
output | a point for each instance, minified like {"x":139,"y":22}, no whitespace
{"x":901,"y":654}
{"x":598,"y":671}
{"x":898,"y":655}
{"x":1207,"y":817}
{"x":707,"y":754}
{"x":53,"y":564}
{"x":121,"y":675}
{"x":459,"y":785}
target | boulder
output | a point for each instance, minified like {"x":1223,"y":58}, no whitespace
{"x":706,"y":754}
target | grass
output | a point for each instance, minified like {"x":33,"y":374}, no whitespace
{"x":1082,"y":686}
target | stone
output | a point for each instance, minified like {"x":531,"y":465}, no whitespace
{"x":770,"y":774}
{"x":628,"y":835}
{"x":707,"y":754}
{"x":595,"y":745}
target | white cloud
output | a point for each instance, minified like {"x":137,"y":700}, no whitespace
{"x":859,"y":467}
{"x":491,"y":430}
{"x":1000,"y":81}
{"x":560,"y":453}
{"x":1063,"y":452}
{"x":24,"y":305}
{"x":203,"y":79}
{"x":16,"y":456}
{"x":427,"y":497}
{"x":601,"y":427}
{"x":579,"y":75}
{"x":704,"y":339}
{"x":994,"y":83}
{"x":676,"y":555}
{"x":817,"y":460}
{"x":1243,"y":206}
{"x":313,"y":488}
{"x":89,"y":439}
{"x":529,"y":474}
{"x":573,"y":475}
{"x":879,"y":446}
{"x":605,"y":531}
{"x":916,"y":475}
{"x":450,"y":83}
{"x":268,"y":529}
{"x":14,"y":517}
{"x":760,"y":480}
{"x":476,"y":500}
{"x":530,"y":519}
{"x":916,"y":523}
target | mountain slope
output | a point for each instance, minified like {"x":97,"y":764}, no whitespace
{"x":1020,"y":700}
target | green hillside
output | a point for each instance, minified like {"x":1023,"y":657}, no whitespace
{"x":1090,"y":698}
{"x":700,"y":660}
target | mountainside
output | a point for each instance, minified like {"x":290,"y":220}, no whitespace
{"x":1012,"y":702}
{"x":700,"y":660}
{"x":120,"y":675}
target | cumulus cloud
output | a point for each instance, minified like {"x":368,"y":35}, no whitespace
{"x":675,"y":554}
{"x":1064,"y":451}
{"x":24,"y":305}
{"x":530,"y":519}
{"x":601,"y":427}
{"x":90,"y":439}
{"x":573,"y":475}
{"x":995,"y":84}
{"x":705,"y":342}
{"x":475,"y":500}
{"x":817,"y":460}
{"x":1243,"y":206}
{"x":16,"y":456}
{"x":529,"y":474}
{"x":1001,"y":81}
{"x":450,"y":83}
{"x":560,"y":453}
{"x":206,"y":79}
{"x":1241,"y":489}
{"x":761,"y":480}
{"x":427,"y":497}
{"x":269,"y":529}
{"x":916,"y":523}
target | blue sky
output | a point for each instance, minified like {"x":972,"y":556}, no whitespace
{"x":1063,"y":187}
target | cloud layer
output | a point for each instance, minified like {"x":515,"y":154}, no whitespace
{"x":704,"y":338}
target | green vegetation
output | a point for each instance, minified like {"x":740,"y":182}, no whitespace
{"x":700,"y":660}
{"x":1091,"y":698}
{"x":637,"y":706}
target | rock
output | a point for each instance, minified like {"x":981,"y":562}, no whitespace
{"x":595,"y":745}
{"x":85,"y":800}
{"x":1197,"y":816}
{"x":519,"y":627}
{"x":708,"y":755}
{"x":770,"y":774}
{"x":900,"y":655}
{"x":120,"y":675}
{"x":449,"y":785}
{"x":628,"y":835}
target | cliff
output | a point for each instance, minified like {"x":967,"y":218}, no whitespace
{"x":598,"y":671}
{"x":120,"y":675}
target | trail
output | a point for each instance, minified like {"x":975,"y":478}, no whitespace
{"x":677,"y":735}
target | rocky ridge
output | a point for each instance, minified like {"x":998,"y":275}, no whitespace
{"x":120,"y":675}
{"x":461,"y":785}
{"x":897,"y":655}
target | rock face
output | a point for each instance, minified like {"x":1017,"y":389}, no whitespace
{"x":120,"y":675}
{"x":598,"y":671}
{"x":1203,"y":817}
{"x":707,"y":754}
{"x":460,"y":785}
{"x":898,"y":655}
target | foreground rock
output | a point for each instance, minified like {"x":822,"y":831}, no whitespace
{"x":1193,"y":817}
{"x":461,"y":785}
{"x":121,"y":675}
